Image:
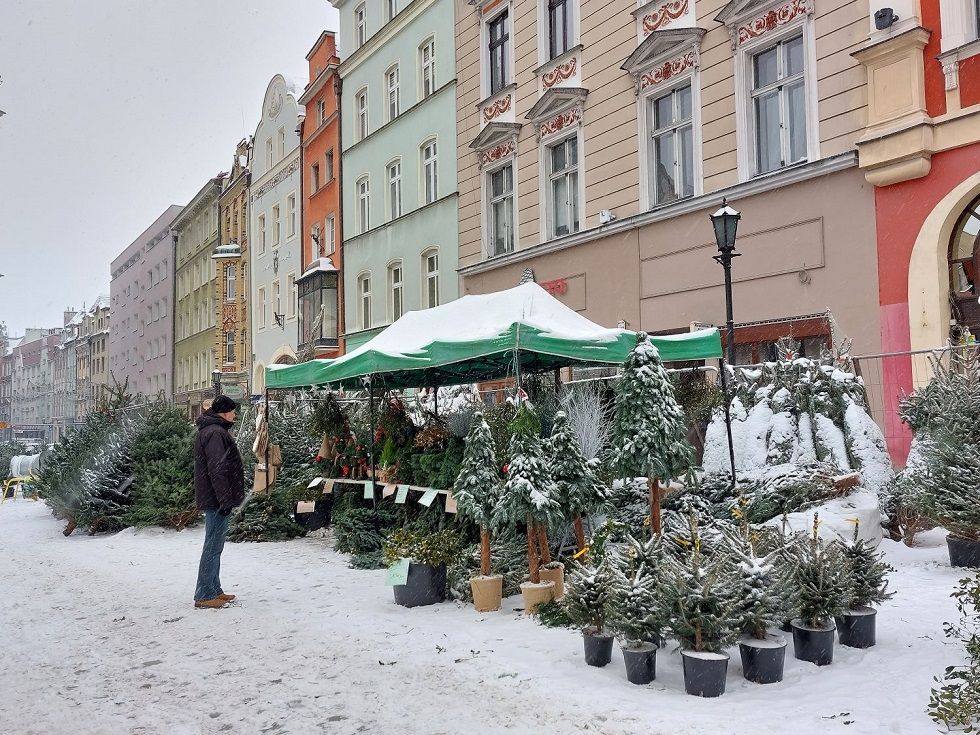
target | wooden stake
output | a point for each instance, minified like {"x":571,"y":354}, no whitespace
{"x":484,"y":551}
{"x":579,"y":532}
{"x":545,"y":552}
{"x":532,"y":553}
{"x":654,"y":485}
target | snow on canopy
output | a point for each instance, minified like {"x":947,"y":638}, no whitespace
{"x":475,"y":338}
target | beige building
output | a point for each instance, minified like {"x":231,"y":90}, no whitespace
{"x":595,"y":137}
{"x":195,"y":232}
{"x":92,"y":359}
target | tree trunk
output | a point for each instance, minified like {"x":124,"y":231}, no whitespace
{"x":579,"y":533}
{"x":654,"y":485}
{"x":484,"y":551}
{"x":532,"y":553}
{"x":543,"y":544}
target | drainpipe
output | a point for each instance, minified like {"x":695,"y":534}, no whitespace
{"x":339,"y":219}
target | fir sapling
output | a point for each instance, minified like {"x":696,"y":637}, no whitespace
{"x":578,"y":489}
{"x":477,"y":487}
{"x":649,"y":426}
{"x":949,"y":492}
{"x":587,"y":597}
{"x":869,"y":573}
{"x":822,"y":586}
{"x":635,"y":610}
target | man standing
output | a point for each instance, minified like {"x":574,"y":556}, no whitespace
{"x":219,"y":485}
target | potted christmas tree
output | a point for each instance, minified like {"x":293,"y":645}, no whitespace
{"x":821,"y":589}
{"x":703,"y":606}
{"x":477,"y":490}
{"x":649,"y":426}
{"x":949,"y":494}
{"x":587,"y":604}
{"x":636,"y":612}
{"x":869,"y":586}
{"x":428,"y":554}
{"x":528,"y":497}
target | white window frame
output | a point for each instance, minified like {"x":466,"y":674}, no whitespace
{"x":315,"y":177}
{"x":361,"y":115}
{"x":393,"y":188}
{"x":276,"y":300}
{"x":393,"y":91}
{"x":269,"y":155}
{"x":544,"y":38}
{"x":488,"y":201}
{"x":396,"y":290}
{"x":391,"y":9}
{"x":545,"y":177}
{"x":360,"y":25}
{"x":362,"y":189}
{"x":262,"y":234}
{"x":331,"y":234}
{"x":281,"y":143}
{"x":276,"y":226}
{"x":263,"y":316}
{"x":291,"y":295}
{"x":229,"y":343}
{"x":429,"y":171}
{"x":292,"y":216}
{"x":231,"y":283}
{"x":321,"y":112}
{"x":744,"y":120}
{"x":363,"y":296}
{"x":488,"y":20}
{"x":960,"y":25}
{"x":428,"y":276}
{"x":427,"y":68}
{"x":644,"y":101}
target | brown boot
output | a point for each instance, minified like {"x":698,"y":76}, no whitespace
{"x":226,"y":597}
{"x":210,"y":604}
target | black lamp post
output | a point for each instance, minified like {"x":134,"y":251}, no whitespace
{"x":725,"y":223}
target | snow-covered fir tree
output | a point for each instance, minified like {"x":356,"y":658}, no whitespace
{"x":478,"y":485}
{"x":649,"y":426}
{"x":163,"y":466}
{"x":108,"y":484}
{"x":949,"y":490}
{"x":579,"y":491}
{"x":635,"y":605}
{"x":587,"y":597}
{"x":264,"y":517}
{"x":821,"y":580}
{"x":869,"y":573}
{"x":761,"y":603}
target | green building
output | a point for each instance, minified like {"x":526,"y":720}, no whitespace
{"x":399,"y":160}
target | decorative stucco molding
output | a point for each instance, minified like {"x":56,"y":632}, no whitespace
{"x":560,"y":73}
{"x":497,"y":108}
{"x":664,"y":15}
{"x":770,"y":20}
{"x":667,"y":70}
{"x":494,"y":154}
{"x":561,"y":121}
{"x":283,"y":174}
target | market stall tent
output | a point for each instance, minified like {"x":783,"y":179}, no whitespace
{"x":484,"y":337}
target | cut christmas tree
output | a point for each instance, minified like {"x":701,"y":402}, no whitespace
{"x":949,"y":495}
{"x":869,"y":586}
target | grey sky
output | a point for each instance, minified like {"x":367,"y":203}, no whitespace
{"x":115,"y":110}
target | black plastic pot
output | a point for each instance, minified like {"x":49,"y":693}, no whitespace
{"x":426,"y":585}
{"x":763,"y":661}
{"x":813,"y":645}
{"x":598,"y":648}
{"x":963,"y":552}
{"x":787,"y":626}
{"x":856,"y":628}
{"x":704,"y":674}
{"x":641,"y":664}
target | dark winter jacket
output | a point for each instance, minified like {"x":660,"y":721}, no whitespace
{"x":219,"y":475}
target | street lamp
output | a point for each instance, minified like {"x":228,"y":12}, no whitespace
{"x":725,"y":223}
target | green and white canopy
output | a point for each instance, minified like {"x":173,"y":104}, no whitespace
{"x":482,"y":337}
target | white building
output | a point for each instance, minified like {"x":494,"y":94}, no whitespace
{"x":275,"y":201}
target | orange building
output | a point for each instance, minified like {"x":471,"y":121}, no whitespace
{"x":319,"y":288}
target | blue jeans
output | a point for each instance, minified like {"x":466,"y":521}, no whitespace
{"x":208,"y":573}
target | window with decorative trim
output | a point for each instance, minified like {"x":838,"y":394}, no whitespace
{"x":563,"y":186}
{"x":276,"y":226}
{"x":229,"y":348}
{"x":291,"y":215}
{"x":360,"y":26}
{"x":671,"y":145}
{"x":560,"y":28}
{"x":361,"y":114}
{"x":393,"y":85}
{"x":500,"y":210}
{"x":331,"y":235}
{"x":396,"y":291}
{"x":363,"y":204}
{"x":430,"y":276}
{"x":231,"y":291}
{"x":427,"y":68}
{"x":321,"y":112}
{"x":291,"y":295}
{"x":364,"y":300}
{"x":430,"y":172}
{"x":498,"y":63}
{"x":261,"y":234}
{"x":394,"y":177}
{"x":263,"y":315}
{"x":778,"y":93}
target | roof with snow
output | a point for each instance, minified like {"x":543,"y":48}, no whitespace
{"x":484,"y":337}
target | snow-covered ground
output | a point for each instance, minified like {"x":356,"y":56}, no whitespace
{"x":99,"y":636}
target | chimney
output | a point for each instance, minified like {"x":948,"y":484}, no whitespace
{"x":69,"y":315}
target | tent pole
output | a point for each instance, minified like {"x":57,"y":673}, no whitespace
{"x":435,"y":392}
{"x":268,"y":432}
{"x":370,"y":384}
{"x":728,"y":417}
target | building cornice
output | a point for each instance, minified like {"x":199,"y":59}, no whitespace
{"x":388,"y":31}
{"x":317,"y":84}
{"x":275,"y":175}
{"x":210,"y":192}
{"x":758,"y":185}
{"x":354,"y":239}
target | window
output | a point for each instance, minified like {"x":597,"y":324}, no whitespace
{"x":363,"y":204}
{"x":360,"y":26}
{"x":263,"y":310}
{"x":427,"y":68}
{"x":391,"y":9}
{"x":394,"y":190}
{"x":497,"y":53}
{"x":281,"y":144}
{"x":230,"y":290}
{"x":779,"y":105}
{"x":430,"y":271}
{"x":559,"y":27}
{"x":261,"y":234}
{"x":563,"y":191}
{"x":331,"y":236}
{"x":360,"y":103}
{"x":364,"y":300}
{"x":672,"y":146}
{"x":315,"y":176}
{"x":291,"y":215}
{"x":396,"y":291}
{"x":277,"y":312}
{"x":276,"y":226}
{"x":291,"y":294}
{"x":500,"y":196}
{"x":229,"y":348}
{"x":430,"y":182}
{"x":328,"y":174}
{"x":394,"y":94}
{"x":321,"y":112}
{"x":268,"y":154}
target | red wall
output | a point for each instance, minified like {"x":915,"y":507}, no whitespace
{"x":935,"y":80}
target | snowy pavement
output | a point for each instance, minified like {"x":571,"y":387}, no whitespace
{"x":99,"y":636}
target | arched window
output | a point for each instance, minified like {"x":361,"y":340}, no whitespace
{"x":964,"y":268}
{"x":430,"y":278}
{"x":430,"y":176}
{"x":364,"y":300}
{"x":396,"y":290}
{"x":363,"y":204}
